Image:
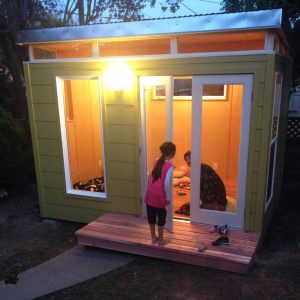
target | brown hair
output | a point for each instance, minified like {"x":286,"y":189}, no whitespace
{"x":187,"y":154}
{"x":166,"y":149}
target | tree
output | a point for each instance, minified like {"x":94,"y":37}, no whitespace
{"x":22,"y":14}
{"x":290,"y":21}
{"x":104,"y":11}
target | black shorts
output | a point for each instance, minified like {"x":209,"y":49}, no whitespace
{"x":155,"y":213}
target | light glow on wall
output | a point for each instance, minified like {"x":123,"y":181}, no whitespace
{"x":118,"y":76}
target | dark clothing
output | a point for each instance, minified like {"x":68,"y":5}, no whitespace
{"x":212,"y":189}
{"x":155,"y":213}
{"x":212,"y":192}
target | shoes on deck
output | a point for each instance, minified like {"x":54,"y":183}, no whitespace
{"x":223,"y":229}
{"x":223,"y":240}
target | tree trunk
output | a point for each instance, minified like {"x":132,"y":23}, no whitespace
{"x":20,"y":111}
{"x":81,"y":12}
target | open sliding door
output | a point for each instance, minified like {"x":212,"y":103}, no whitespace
{"x":220,"y":139}
{"x":209,"y":116}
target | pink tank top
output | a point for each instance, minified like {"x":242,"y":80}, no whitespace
{"x":155,"y":195}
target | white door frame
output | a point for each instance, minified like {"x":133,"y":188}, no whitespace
{"x":145,"y":84}
{"x":198,"y":215}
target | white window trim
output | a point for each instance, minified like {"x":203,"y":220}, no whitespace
{"x":223,"y":97}
{"x":158,"y":56}
{"x":269,"y":40}
{"x":60,"y":97}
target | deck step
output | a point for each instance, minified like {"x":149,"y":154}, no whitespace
{"x":127,"y":233}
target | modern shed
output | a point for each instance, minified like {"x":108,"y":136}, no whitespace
{"x":103,"y":97}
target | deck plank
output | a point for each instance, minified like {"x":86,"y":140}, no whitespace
{"x":134,"y":240}
{"x":184,"y":231}
{"x":178,"y":238}
{"x":130,"y":234}
{"x":247,"y":236}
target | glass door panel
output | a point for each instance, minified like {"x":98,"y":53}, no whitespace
{"x":220,"y":138}
{"x":182,"y":130}
{"x":220,"y":145}
{"x":156,"y":132}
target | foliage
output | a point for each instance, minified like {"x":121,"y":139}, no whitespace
{"x":15,"y":152}
{"x":104,"y":11}
{"x":290,"y":21}
{"x":28,"y":14}
{"x":52,"y":13}
{"x":7,"y":96}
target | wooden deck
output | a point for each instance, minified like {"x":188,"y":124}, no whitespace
{"x":131,"y":234}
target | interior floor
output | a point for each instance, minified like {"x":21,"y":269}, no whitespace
{"x":181,"y":196}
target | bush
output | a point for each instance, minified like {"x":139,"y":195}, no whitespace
{"x":15,"y":152}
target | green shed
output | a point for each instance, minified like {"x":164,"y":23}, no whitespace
{"x":103,"y":97}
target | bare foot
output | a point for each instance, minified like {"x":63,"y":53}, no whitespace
{"x":154,"y":241}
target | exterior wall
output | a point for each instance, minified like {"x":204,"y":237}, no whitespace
{"x":120,"y":138}
{"x":121,"y":133}
{"x":285,"y":66}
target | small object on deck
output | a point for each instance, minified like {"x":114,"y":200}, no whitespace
{"x":201,"y":248}
{"x":213,"y":228}
{"x":223,"y":240}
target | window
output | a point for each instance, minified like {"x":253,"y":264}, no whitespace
{"x":183,"y":90}
{"x":274,"y":138}
{"x":62,"y":50}
{"x":81,"y":127}
{"x":134,"y":47}
{"x":219,"y":42}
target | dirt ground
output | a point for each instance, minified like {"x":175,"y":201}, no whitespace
{"x":27,"y":240}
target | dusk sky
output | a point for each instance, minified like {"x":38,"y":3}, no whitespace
{"x":187,"y":7}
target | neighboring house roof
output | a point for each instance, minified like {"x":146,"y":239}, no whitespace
{"x":263,"y":19}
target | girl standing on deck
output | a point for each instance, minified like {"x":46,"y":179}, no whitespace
{"x":158,"y":193}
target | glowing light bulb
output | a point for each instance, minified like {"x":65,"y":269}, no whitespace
{"x":118,"y":76}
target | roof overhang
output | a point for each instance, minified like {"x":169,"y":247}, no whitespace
{"x":254,"y":20}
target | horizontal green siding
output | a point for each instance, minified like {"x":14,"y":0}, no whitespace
{"x":45,"y":112}
{"x":47,"y":130}
{"x":49,"y":147}
{"x":71,"y":213}
{"x":43,"y":94}
{"x":120,"y":114}
{"x":121,"y":152}
{"x":122,"y":130}
{"x":50,"y":164}
{"x":121,"y":170}
{"x":122,"y":133}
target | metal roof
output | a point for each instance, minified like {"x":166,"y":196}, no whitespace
{"x":263,"y":19}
